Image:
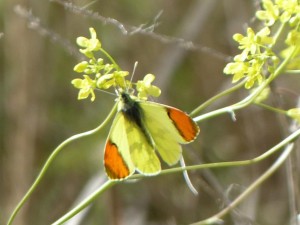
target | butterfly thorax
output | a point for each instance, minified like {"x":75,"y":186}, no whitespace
{"x":132,"y":110}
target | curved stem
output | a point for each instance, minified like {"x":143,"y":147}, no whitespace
{"x":214,"y":98}
{"x":278,"y":33}
{"x":261,"y":157}
{"x":110,"y":58}
{"x":281,"y":159}
{"x":85,"y":202}
{"x":270,"y":108}
{"x":50,"y":160}
{"x":250,"y":98}
{"x":229,"y":109}
{"x":293,"y":72}
{"x":110,"y":183}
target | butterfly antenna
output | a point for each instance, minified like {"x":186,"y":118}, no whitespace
{"x":133,"y":71}
{"x":107,"y":92}
{"x":187,"y":178}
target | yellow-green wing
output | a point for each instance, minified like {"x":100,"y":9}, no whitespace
{"x":117,"y":159}
{"x":142,"y":153}
{"x":168,"y":127}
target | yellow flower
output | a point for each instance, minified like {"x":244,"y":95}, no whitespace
{"x":86,"y":86}
{"x":89,"y":45}
{"x":145,"y":88}
{"x":294,"y":114}
{"x":112,"y":79}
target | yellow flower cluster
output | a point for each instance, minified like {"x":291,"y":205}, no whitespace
{"x":100,"y":75}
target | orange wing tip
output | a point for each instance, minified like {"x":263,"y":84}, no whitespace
{"x":115,"y":166}
{"x":185,"y":125}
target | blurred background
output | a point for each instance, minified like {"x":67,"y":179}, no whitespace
{"x":186,"y":44}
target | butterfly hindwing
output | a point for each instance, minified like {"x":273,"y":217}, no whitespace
{"x":169,"y":127}
{"x":142,"y":152}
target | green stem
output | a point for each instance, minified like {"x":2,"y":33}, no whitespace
{"x":261,"y":157}
{"x":281,"y":67}
{"x":270,"y":108}
{"x":216,"y":97}
{"x":230,"y":109}
{"x":110,"y":58}
{"x":281,"y":159}
{"x":51,"y":158}
{"x":108,"y":184}
{"x":85,"y":202}
{"x":250,"y":98}
{"x":278,"y":33}
{"x":293,"y":72}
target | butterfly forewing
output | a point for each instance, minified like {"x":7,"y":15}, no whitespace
{"x":187,"y":128}
{"x":168,"y":128}
{"x":117,"y":160}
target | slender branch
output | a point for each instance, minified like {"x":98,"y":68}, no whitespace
{"x":270,"y":108}
{"x":110,"y":58}
{"x":250,"y":98}
{"x":108,"y":184}
{"x":261,"y":157}
{"x":52,"y":157}
{"x":216,"y":97}
{"x":293,"y":72}
{"x":144,"y":30}
{"x":281,"y":159}
{"x":35,"y":24}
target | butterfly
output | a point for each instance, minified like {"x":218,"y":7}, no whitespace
{"x":139,"y":130}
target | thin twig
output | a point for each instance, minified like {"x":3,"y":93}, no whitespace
{"x":50,"y":160}
{"x":293,"y":180}
{"x":144,"y":30}
{"x":35,"y":24}
{"x":281,"y":159}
